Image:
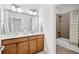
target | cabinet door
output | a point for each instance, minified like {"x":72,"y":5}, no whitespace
{"x":23,"y":47}
{"x":32,"y":46}
{"x":9,"y":49}
{"x":40,"y":44}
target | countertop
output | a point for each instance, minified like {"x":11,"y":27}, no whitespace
{"x":18,"y":35}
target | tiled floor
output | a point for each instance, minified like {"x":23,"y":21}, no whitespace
{"x":42,"y":52}
{"x":62,"y":50}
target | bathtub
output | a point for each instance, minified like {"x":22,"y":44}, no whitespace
{"x":63,"y":42}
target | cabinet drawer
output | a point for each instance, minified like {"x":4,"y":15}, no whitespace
{"x":35,"y":37}
{"x":40,"y":36}
{"x":15,"y":40}
{"x":40,"y":44}
{"x":9,"y":41}
{"x":22,"y":39}
{"x":32,"y":46}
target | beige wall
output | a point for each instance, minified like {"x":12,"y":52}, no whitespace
{"x":63,"y":25}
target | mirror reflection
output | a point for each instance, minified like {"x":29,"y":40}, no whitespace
{"x":16,"y":22}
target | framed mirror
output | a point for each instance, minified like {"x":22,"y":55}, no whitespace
{"x":15,"y":22}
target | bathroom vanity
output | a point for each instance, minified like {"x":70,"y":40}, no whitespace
{"x":23,"y":45}
{"x":17,"y":33}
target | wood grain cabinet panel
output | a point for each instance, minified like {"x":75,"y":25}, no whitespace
{"x":9,"y":41}
{"x":40,"y":44}
{"x":22,"y":39}
{"x":9,"y":49}
{"x":23,"y":47}
{"x":32,"y":46}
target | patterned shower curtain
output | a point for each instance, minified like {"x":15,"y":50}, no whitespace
{"x":74,"y":27}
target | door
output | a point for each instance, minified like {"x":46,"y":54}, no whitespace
{"x":40,"y":44}
{"x":9,"y":49}
{"x":23,"y":47}
{"x":32,"y":46}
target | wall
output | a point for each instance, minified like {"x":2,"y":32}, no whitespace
{"x":65,"y":21}
{"x":63,"y":25}
{"x":48,"y":17}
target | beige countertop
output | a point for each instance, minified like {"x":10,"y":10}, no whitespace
{"x":16,"y":36}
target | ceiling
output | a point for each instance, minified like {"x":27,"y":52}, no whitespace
{"x":64,"y":8}
{"x":24,"y":6}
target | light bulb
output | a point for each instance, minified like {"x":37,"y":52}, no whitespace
{"x":34,"y":13}
{"x":13,"y":8}
{"x":19,"y":9}
{"x":31,"y":12}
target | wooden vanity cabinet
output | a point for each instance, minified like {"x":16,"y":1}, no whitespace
{"x":23,"y":45}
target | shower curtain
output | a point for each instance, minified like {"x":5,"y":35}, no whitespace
{"x":74,"y":27}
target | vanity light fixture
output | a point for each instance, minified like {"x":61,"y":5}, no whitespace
{"x":19,"y":9}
